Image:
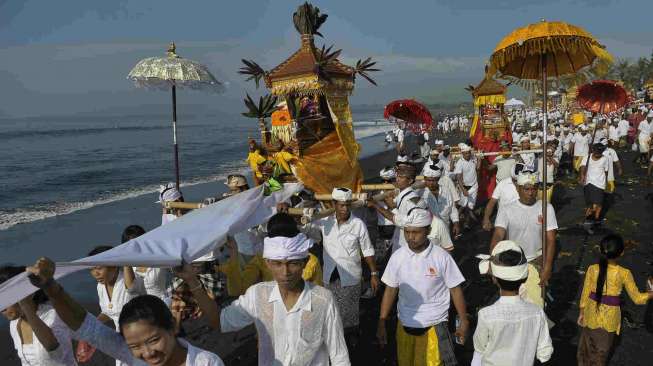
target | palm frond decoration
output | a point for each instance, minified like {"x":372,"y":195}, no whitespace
{"x":364,"y":67}
{"x":324,"y":57}
{"x":266,"y":106}
{"x":254,"y":71}
{"x":308,"y":20}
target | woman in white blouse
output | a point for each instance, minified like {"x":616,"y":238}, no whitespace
{"x":39,"y":336}
{"x":147,"y":332}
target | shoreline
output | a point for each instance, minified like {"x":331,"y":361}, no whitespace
{"x":71,"y":236}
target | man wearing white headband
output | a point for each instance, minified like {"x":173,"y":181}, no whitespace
{"x":404,"y":201}
{"x":424,"y":149}
{"x":466,"y":170}
{"x":521,"y":221}
{"x":297,"y":322}
{"x":580,"y":147}
{"x":424,"y":277}
{"x":511,"y":331}
{"x":440,"y":201}
{"x":528,"y":159}
{"x":623,"y":127}
{"x":169,"y":193}
{"x":503,"y":163}
{"x":504,"y":193}
{"x":344,"y":238}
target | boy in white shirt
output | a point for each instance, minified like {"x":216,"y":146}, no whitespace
{"x":511,"y":331}
{"x":594,"y":178}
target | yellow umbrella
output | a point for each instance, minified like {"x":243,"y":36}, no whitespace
{"x":540,"y":51}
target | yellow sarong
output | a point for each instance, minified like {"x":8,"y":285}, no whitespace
{"x":531,"y":290}
{"x":578,"y":160}
{"x":417,"y":350}
{"x":610,"y":187}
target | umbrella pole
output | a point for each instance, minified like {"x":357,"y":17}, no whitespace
{"x":544,"y":171}
{"x":174,"y":132}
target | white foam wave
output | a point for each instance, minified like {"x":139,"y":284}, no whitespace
{"x":9,"y":219}
{"x":23,"y":216}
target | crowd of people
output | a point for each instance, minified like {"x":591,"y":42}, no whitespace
{"x":299,"y":282}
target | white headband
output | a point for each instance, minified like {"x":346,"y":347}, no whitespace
{"x":418,"y":217}
{"x":284,"y":248}
{"x":508,"y":273}
{"x":526,"y":178}
{"x":402,"y":158}
{"x":464,"y":147}
{"x":439,"y":142}
{"x":341,"y":194}
{"x":388,"y":174}
{"x":168,"y":193}
{"x":429,"y":172}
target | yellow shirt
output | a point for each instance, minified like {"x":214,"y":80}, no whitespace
{"x":239,"y":280}
{"x":254,"y":159}
{"x":608,"y":317}
{"x":282,"y":158}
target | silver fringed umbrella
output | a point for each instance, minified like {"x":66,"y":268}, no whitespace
{"x":170,"y":72}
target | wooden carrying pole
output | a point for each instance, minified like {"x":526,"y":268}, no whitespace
{"x":495,"y":153}
{"x":545,"y":203}
{"x":185,"y":205}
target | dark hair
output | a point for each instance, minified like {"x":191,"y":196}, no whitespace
{"x":99,"y":249}
{"x":611,"y":247}
{"x":8,"y":272}
{"x":510,"y":258}
{"x":131,"y":232}
{"x":147,"y":308}
{"x":282,"y":224}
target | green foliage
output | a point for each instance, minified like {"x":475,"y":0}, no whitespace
{"x":308,"y":20}
{"x":266,"y":106}
{"x":634,"y":74}
{"x":364,"y":67}
{"x":254,"y":71}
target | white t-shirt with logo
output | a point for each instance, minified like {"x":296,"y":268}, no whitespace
{"x":523,"y":225}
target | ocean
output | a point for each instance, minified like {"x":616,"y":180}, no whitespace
{"x":57,"y":166}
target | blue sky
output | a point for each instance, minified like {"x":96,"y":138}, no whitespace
{"x":62,"y":57}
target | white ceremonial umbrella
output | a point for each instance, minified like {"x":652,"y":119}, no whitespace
{"x":170,"y":72}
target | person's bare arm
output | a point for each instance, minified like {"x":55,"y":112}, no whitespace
{"x":41,"y":330}
{"x":129,"y":276}
{"x":489,"y":208}
{"x":210,"y":308}
{"x":550,"y":249}
{"x":461,"y":309}
{"x":498,"y":235}
{"x":70,"y":312}
{"x":389,"y":297}
{"x":383,"y":211}
{"x":374,"y":279}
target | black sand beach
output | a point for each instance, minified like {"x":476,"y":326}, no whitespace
{"x":576,"y":251}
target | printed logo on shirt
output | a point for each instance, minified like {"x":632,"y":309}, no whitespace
{"x":431,"y":272}
{"x":540,"y":220}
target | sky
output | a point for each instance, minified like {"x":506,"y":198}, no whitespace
{"x":72,"y":56}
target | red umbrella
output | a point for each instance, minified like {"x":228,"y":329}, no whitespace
{"x":416,"y":115}
{"x":602,"y":96}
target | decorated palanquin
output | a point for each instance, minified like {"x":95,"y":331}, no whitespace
{"x":489,"y":127}
{"x":313,"y":117}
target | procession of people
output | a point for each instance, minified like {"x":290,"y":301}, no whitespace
{"x":318,"y":250}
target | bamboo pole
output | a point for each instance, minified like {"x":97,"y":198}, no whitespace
{"x":377,"y":187}
{"x":495,"y":153}
{"x":185,"y":205}
{"x":328,"y":197}
{"x":545,"y":131}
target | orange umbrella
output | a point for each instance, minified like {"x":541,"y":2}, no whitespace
{"x":540,"y":51}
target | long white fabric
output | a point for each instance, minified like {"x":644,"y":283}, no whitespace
{"x":185,"y":239}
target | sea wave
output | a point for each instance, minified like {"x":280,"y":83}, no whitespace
{"x":10,"y":218}
{"x":17,"y":134}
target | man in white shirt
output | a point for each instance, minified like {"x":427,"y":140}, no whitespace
{"x":522,"y":221}
{"x":386,"y":227}
{"x":424,"y":277}
{"x":613,"y":132}
{"x":623,"y":130}
{"x":404,"y":201}
{"x":511,"y":331}
{"x":644,"y":137}
{"x":441,"y":204}
{"x":504,"y":193}
{"x":344,"y":238}
{"x":298,"y":323}
{"x":466,"y":172}
{"x":503,"y":163}
{"x":594,"y":178}
{"x":580,"y":146}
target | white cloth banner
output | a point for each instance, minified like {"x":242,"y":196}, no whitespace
{"x":187,"y":238}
